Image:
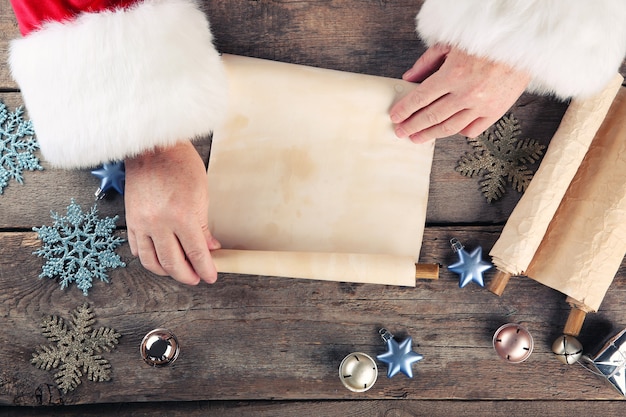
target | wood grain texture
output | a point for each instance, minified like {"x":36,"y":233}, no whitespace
{"x":254,"y":338}
{"x":406,"y":408}
{"x":369,"y":36}
{"x":272,"y":346}
{"x":8,"y":31}
{"x":453,"y":198}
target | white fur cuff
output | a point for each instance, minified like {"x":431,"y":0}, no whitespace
{"x":110,"y":85}
{"x":570,"y":48}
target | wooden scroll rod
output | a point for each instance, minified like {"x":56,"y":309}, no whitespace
{"x":576,"y":317}
{"x":427,"y":271}
{"x":499,"y":282}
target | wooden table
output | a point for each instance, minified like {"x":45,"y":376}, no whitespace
{"x":266,"y":346}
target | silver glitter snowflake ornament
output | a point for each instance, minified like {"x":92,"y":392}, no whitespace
{"x":79,"y":247}
{"x":76,"y":349}
{"x":17,"y":146}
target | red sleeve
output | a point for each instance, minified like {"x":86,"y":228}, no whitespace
{"x":31,"y":14}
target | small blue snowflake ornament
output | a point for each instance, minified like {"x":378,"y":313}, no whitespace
{"x":112,"y":176}
{"x":470,"y":265}
{"x":399,"y":357}
{"x":17,"y":146}
{"x":79,"y":247}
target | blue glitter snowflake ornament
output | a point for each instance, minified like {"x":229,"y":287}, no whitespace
{"x":17,"y":146}
{"x":79,"y":247}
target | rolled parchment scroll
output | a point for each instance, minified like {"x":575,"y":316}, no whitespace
{"x":307,"y":164}
{"x":358,"y":267}
{"x":566,"y":231}
{"x":585,"y":244}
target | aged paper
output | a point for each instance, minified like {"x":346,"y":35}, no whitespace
{"x":308,"y":162}
{"x":586,"y":241}
{"x":527,"y":224}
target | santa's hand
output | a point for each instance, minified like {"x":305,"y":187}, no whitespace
{"x":459,"y":93}
{"x":167,"y":200}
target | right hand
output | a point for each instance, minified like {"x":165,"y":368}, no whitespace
{"x":459,"y":93}
{"x":166,"y":198}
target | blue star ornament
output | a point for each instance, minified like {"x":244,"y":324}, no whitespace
{"x":470,"y":267}
{"x":399,"y":357}
{"x":112,"y":176}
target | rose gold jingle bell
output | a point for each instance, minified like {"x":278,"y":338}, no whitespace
{"x":513,"y":343}
{"x":159,"y":347}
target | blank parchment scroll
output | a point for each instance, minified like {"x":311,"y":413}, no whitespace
{"x":569,"y":229}
{"x":307,"y":172}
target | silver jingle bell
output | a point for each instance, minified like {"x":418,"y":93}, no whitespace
{"x":159,"y":347}
{"x":513,"y":343}
{"x":358,"y":372}
{"x":567,"y":349}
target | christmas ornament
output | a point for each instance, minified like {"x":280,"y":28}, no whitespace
{"x":502,"y":157}
{"x":513,"y":343}
{"x":610,"y":361}
{"x":76,"y":349}
{"x":159,"y":347}
{"x":358,"y":372}
{"x":470,"y":266}
{"x":79,"y":247}
{"x":17,"y":146}
{"x":567,"y":349}
{"x":399,"y":357}
{"x":112,"y":175}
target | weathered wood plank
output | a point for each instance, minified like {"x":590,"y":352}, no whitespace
{"x":453,"y":198}
{"x":258,"y":338}
{"x":23,"y":206}
{"x":407,"y":408}
{"x":374,"y":37}
{"x":8,"y":31}
{"x":365,"y":36}
{"x":253,"y":338}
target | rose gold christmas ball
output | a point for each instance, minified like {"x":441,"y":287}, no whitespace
{"x":513,"y":343}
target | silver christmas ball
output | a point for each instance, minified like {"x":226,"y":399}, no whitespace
{"x":567,"y":349}
{"x":159,"y":347}
{"x":358,"y":372}
{"x":513,"y":343}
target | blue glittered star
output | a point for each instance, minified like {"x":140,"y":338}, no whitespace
{"x":399,"y":357}
{"x":470,"y":267}
{"x":112,"y":175}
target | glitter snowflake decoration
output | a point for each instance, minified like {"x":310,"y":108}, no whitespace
{"x":76,"y":349}
{"x":79,"y":247}
{"x":17,"y":146}
{"x":502,"y":157}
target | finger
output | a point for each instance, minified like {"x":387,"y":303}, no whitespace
{"x":166,"y":259}
{"x":196,"y":243}
{"x":430,"y":116}
{"x":171,"y":257}
{"x":448,"y":127}
{"x":427,"y":64}
{"x":132,"y":242}
{"x":478,"y":126}
{"x":421,"y":96}
{"x":148,"y":257}
{"x":213,"y":243}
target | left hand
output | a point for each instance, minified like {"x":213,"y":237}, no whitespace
{"x":459,"y":93}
